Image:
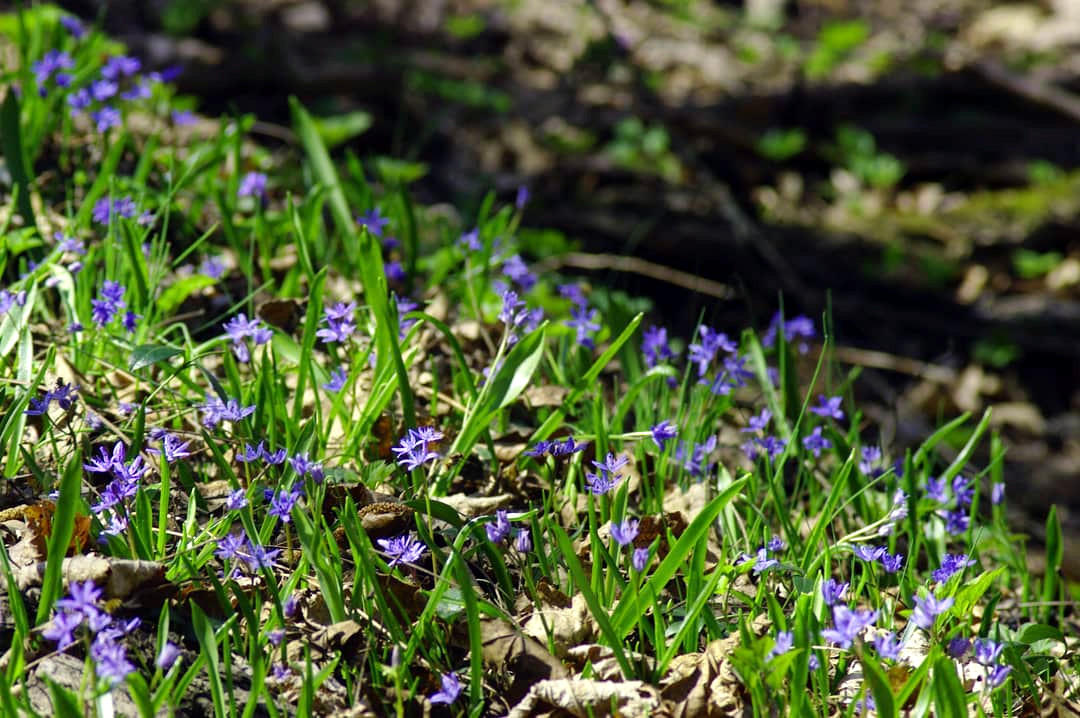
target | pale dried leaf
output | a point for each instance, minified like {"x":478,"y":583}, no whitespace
{"x":568,"y":627}
{"x":471,"y":506}
{"x":588,"y":699}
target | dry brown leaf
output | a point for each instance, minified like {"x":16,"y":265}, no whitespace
{"x":588,"y":698}
{"x":548,"y":395}
{"x":470,"y":506}
{"x":567,"y":627}
{"x":508,"y":649}
{"x":605,"y":666}
{"x":120,"y":578}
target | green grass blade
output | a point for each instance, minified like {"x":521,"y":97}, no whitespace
{"x":632,"y":605}
{"x":63,"y":527}
{"x":15,"y":156}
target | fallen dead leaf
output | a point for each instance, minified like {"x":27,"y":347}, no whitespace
{"x":584,"y":698}
{"x":565,"y":627}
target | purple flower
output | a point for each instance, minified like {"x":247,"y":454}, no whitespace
{"x":709,"y":343}
{"x":888,"y":646}
{"x":231,"y":546}
{"x":936,"y":489}
{"x":783,"y":643}
{"x":892,"y":562}
{"x":402,"y":549}
{"x":773,"y":445}
{"x":608,"y":476}
{"x":259,"y":557}
{"x":413,"y":450}
{"x":797,"y":328}
{"x":763,"y":562}
{"x":662,"y":432}
{"x":498,"y":530}
{"x":625,"y":532}
{"x":167,"y":656}
{"x":213,"y":267}
{"x":584,"y":322}
{"x":110,"y":659}
{"x":215,"y":411}
{"x":962,"y":491}
{"x":252,"y":185}
{"x":53,"y":62}
{"x":120,"y":66}
{"x":998,"y":675}
{"x":73,"y":26}
{"x":82,"y":599}
{"x":997,"y":493}
{"x":832,"y":591}
{"x":958,"y":647}
{"x":282,"y":503}
{"x":513,"y":310}
{"x":847,"y":624}
{"x":374,"y":221}
{"x":523,"y":541}
{"x":815,"y":442}
{"x":869,"y":553}
{"x":236,"y":500}
{"x":451,"y":689}
{"x":928,"y":609}
{"x":470,"y":240}
{"x":987,"y":651}
{"x":518,"y":272}
{"x":640,"y":559}
{"x":62,"y":629}
{"x":759,"y":422}
{"x":654,"y":346}
{"x":696,"y":462}
{"x":338,"y":377}
{"x":829,"y":407}
{"x":957,"y":522}
{"x":174,"y":449}
{"x":950,"y":565}
{"x":521,"y":198}
{"x":340,"y":323}
{"x":776,"y":544}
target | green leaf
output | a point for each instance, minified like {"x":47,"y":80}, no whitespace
{"x":884,"y":701}
{"x":65,"y":704}
{"x":338,"y":129}
{"x":974,"y":591}
{"x":145,"y":355}
{"x":322,"y":166}
{"x":178,"y":291}
{"x":949,"y":696}
{"x":501,"y":390}
{"x":15,"y":156}
{"x":63,"y":527}
{"x":1034,"y":632}
{"x":1054,"y":554}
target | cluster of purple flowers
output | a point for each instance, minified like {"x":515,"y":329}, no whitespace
{"x":253,"y":184}
{"x":928,"y":609}
{"x":108,"y":654}
{"x":987,"y":653}
{"x":405,"y":549}
{"x":951,"y":564}
{"x":607,"y":476}
{"x":172,"y":448}
{"x":237,"y":546}
{"x":958,"y":519}
{"x":414,"y":451}
{"x":663,"y":432}
{"x":216,"y":411}
{"x":62,"y":394}
{"x":583,"y":320}
{"x":123,"y":486}
{"x":890,"y":562}
{"x":109,"y":304}
{"x":52,"y":66}
{"x":340,"y":323}
{"x":772,"y":445}
{"x":259,"y":452}
{"x":106,"y":209}
{"x":117,"y":72}
{"x":556,"y":448}
{"x":9,"y":299}
{"x":282,"y":502}
{"x":499,"y":530}
{"x":240,"y":329}
{"x":847,"y":624}
{"x":801,"y":328}
{"x":696,"y":460}
{"x":655,"y":347}
{"x":624,"y":532}
{"x":514,"y":315}
{"x":515,"y":269}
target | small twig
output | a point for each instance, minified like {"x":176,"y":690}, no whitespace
{"x":889,"y":362}
{"x":637,"y":265}
{"x":1039,"y":93}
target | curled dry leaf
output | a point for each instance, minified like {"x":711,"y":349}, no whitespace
{"x":471,"y":506}
{"x":584,"y":698}
{"x":120,"y":578}
{"x":566,"y":627}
